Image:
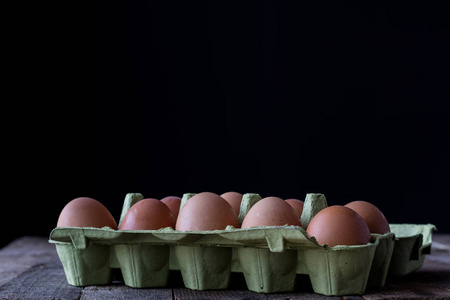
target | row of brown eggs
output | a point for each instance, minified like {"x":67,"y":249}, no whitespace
{"x":335,"y":225}
{"x":204,"y":211}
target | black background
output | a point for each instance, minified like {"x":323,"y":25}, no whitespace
{"x":163,"y":98}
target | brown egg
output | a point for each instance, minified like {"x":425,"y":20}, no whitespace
{"x":339,"y":225}
{"x":206,"y":211}
{"x":235,"y":199}
{"x":297,"y":205}
{"x":173,"y":202}
{"x":85,"y":212}
{"x":270,"y":211}
{"x":374,"y":218}
{"x":148,"y":214}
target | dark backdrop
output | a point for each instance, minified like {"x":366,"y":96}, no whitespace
{"x":350,"y":100}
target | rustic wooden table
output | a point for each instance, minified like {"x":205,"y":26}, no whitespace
{"x":30,"y":269}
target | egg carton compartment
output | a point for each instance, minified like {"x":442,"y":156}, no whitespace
{"x":269,"y":257}
{"x":206,"y":261}
{"x":412,"y":243}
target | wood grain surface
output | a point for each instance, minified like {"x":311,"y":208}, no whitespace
{"x":30,"y":269}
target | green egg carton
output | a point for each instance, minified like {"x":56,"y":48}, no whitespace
{"x":269,"y":257}
{"x":412,"y":243}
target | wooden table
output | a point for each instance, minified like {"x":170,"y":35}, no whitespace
{"x":30,"y":269}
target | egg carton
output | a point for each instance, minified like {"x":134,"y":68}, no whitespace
{"x":270,"y":257}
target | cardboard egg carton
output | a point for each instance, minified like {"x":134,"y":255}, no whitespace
{"x":269,"y":257}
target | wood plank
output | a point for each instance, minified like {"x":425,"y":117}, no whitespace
{"x":22,"y":254}
{"x":436,"y":268}
{"x":41,"y":281}
{"x":408,"y":291}
{"x":440,"y":253}
{"x":186,"y":294}
{"x":299,"y":296}
{"x":122,"y":292}
{"x":352,"y":297}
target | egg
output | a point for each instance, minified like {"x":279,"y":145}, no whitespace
{"x":270,"y":211}
{"x":235,"y":199}
{"x":338,"y":225}
{"x":297,"y":205}
{"x":374,"y":218}
{"x":86,"y":212}
{"x":148,"y":214}
{"x":173,"y":202}
{"x":206,"y":211}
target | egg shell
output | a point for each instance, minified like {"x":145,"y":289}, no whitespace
{"x":173,"y":202}
{"x":374,"y":218}
{"x":271,"y":211}
{"x":86,"y":212}
{"x":234,"y":199}
{"x":206,"y":211}
{"x":339,"y":225}
{"x":148,"y":214}
{"x":297,"y":205}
